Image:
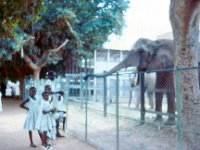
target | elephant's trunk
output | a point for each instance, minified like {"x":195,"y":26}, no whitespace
{"x":132,"y":59}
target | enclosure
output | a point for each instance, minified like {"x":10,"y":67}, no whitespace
{"x":100,"y":111}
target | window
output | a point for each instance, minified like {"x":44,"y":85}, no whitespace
{"x":114,"y":56}
{"x":101,"y":55}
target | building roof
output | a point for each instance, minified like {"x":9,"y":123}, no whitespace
{"x":167,"y":35}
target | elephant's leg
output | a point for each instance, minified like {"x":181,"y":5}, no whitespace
{"x":170,"y":99}
{"x":137,"y":100}
{"x":171,"y":103}
{"x":137,"y":95}
{"x":170,"y":108}
{"x":151,"y":102}
{"x":160,"y":84}
{"x":159,"y":97}
{"x":130,"y":97}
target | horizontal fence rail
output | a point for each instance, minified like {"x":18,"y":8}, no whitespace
{"x":108,"y":111}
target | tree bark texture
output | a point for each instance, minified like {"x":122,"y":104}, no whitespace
{"x":184,"y":18}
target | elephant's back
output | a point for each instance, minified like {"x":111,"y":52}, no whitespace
{"x":166,"y":43}
{"x":166,"y":46}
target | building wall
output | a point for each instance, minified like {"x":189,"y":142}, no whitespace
{"x":104,"y":60}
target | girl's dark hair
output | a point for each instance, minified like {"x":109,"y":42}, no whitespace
{"x":47,"y":86}
{"x":45,"y":93}
{"x":32,"y":88}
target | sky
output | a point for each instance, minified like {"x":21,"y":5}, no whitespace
{"x":144,"y":19}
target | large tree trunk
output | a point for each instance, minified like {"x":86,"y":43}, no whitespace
{"x":36,"y":73}
{"x":184,"y":17}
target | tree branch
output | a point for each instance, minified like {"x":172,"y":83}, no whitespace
{"x":73,"y":33}
{"x":61,"y":46}
{"x":30,"y":63}
{"x":43,"y":60}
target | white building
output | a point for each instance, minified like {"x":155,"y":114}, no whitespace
{"x":104,"y":60}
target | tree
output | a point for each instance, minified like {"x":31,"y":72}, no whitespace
{"x":184,"y":17}
{"x":14,"y":15}
{"x":34,"y":39}
{"x":93,"y":22}
{"x":51,"y":34}
{"x":42,"y":29}
{"x":15,"y":70}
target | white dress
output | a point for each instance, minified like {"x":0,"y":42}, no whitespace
{"x":59,"y":105}
{"x":1,"y":107}
{"x":44,"y":121}
{"x":32,"y":114}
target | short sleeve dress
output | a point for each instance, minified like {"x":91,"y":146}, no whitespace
{"x":32,"y":114}
{"x":58,"y":104}
{"x":44,"y":121}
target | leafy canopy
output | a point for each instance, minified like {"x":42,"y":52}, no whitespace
{"x":14,"y":13}
{"x":96,"y":20}
{"x":40,"y":25}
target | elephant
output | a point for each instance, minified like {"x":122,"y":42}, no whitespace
{"x":148,"y":55}
{"x":149,"y":84}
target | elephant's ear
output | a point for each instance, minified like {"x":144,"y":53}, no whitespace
{"x":163,"y":58}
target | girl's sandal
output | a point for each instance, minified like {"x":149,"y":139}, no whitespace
{"x":49,"y":148}
{"x":33,"y":145}
{"x":44,"y":147}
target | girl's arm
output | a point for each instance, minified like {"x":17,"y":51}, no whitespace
{"x":51,"y":110}
{"x":22,"y":105}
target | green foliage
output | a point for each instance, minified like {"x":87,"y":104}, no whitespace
{"x":7,"y":47}
{"x":93,"y":21}
{"x":40,"y":25}
{"x":16,"y":13}
{"x":53,"y":59}
{"x":96,"y":20}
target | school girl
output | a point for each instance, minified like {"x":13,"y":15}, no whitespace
{"x":44,"y":122}
{"x":31,"y":104}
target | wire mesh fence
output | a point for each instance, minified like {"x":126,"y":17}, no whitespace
{"x":112,"y":113}
{"x":113,"y":119}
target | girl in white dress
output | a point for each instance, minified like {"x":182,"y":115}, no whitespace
{"x":31,"y":104}
{"x":60,"y":111}
{"x":44,"y":122}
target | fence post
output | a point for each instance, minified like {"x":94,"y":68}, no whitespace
{"x":117,"y":111}
{"x":66,"y":99}
{"x":81,"y":89}
{"x":142,"y":109}
{"x":105,"y":97}
{"x":86,"y":110}
{"x":130,"y":92}
{"x":178,"y":106}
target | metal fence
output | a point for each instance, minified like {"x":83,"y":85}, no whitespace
{"x":124,"y":118}
{"x":102,"y":112}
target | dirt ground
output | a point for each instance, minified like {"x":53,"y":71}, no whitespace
{"x":13,"y":137}
{"x":132,"y":135}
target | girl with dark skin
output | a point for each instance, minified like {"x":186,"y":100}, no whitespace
{"x":31,"y":104}
{"x":44,"y":122}
{"x":52,"y":101}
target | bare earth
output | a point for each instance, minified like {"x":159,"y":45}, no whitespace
{"x":132,"y":135}
{"x":13,"y":137}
